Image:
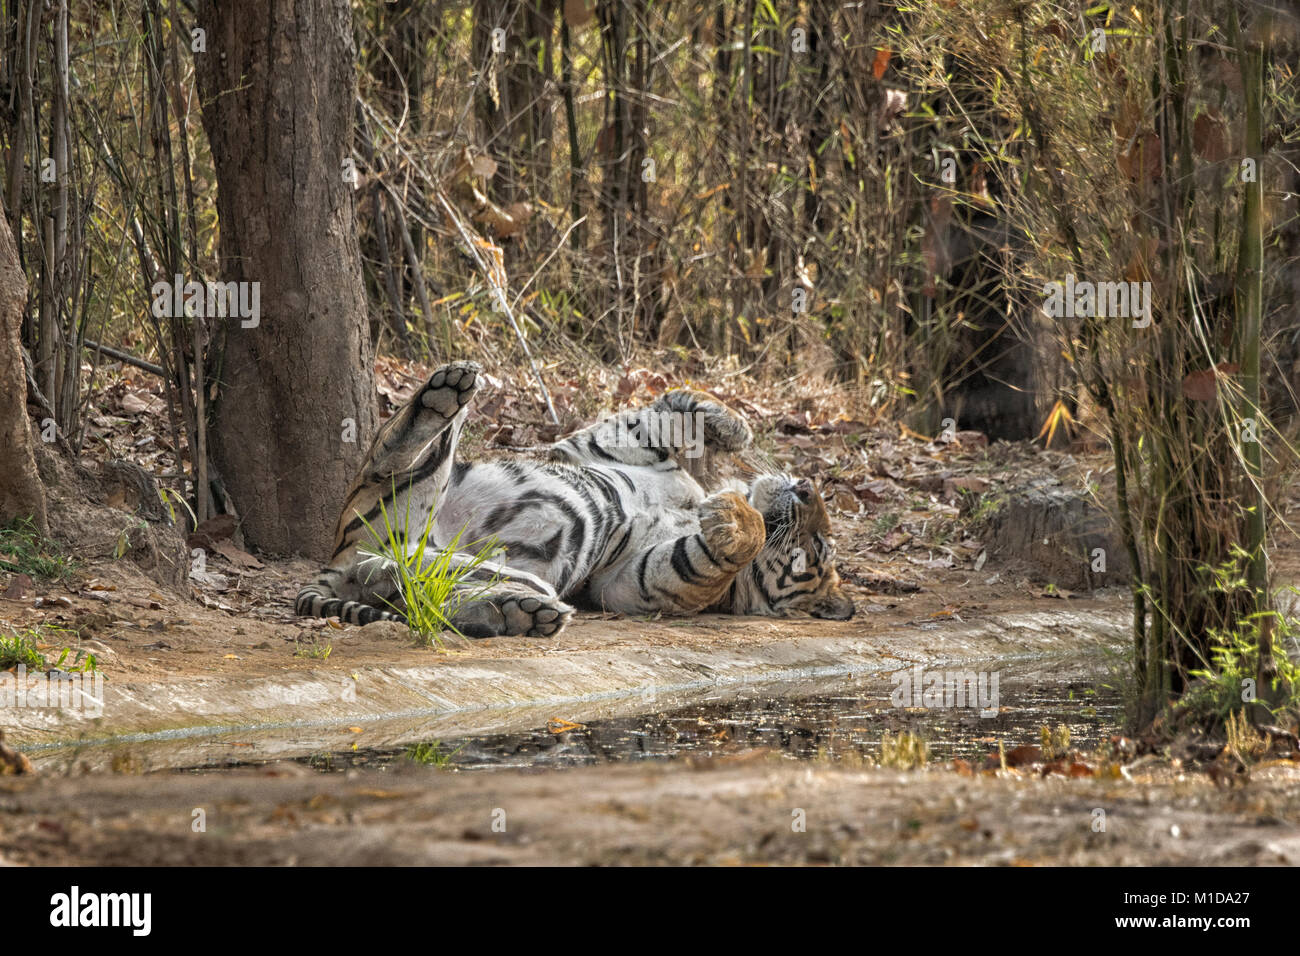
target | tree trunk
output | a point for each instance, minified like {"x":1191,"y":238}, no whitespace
{"x":296,"y":401}
{"x":21,"y":493}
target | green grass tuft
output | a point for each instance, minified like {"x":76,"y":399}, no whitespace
{"x":24,"y":648}
{"x":318,"y":652}
{"x":24,"y":550}
{"x":429,"y":753}
{"x":428,"y":577}
{"x":21,"y":648}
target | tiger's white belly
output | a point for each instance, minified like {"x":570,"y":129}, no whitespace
{"x":575,"y":535}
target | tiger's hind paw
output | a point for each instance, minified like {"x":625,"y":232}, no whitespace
{"x":513,"y":613}
{"x":539,"y":616}
{"x":451,"y":387}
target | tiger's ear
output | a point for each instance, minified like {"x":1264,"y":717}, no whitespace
{"x":818,"y":519}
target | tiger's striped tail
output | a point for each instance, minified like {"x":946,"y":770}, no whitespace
{"x":319,"y":600}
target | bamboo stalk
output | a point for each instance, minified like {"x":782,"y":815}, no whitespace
{"x":172,"y":355}
{"x":412,"y":259}
{"x":500,"y":294}
{"x":390,"y":280}
{"x":571,"y":122}
{"x":203,"y":505}
{"x":68,"y":359}
{"x":17,"y":161}
{"x":126,"y":357}
{"x":46,"y":324}
{"x":1250,"y":305}
{"x":1250,"y":298}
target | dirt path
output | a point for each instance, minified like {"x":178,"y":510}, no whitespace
{"x":732,"y":811}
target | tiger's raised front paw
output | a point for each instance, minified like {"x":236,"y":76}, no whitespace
{"x":731,"y":528}
{"x":724,"y":430}
{"x":451,"y":387}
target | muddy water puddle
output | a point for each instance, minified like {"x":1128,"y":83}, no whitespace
{"x":845,"y":719}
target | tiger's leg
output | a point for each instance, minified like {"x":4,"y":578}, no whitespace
{"x":411,"y":458}
{"x":691,"y":572}
{"x":490,"y":599}
{"x":427,"y":427}
{"x":493,"y":599}
{"x":683,"y":423}
{"x":409,"y":464}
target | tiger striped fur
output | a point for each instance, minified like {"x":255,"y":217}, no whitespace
{"x":604,"y":523}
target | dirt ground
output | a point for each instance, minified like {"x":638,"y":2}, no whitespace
{"x":913,"y":553}
{"x":756,"y":808}
{"x":139,"y":631}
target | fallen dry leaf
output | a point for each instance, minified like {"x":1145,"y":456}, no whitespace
{"x":558,"y":725}
{"x":12,"y":761}
{"x":1200,"y":386}
{"x":881,"y":62}
{"x":1024,"y":754}
{"x":237,"y":557}
{"x":1210,"y":137}
{"x":214,"y":529}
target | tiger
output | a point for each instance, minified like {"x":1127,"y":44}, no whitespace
{"x":606,"y":521}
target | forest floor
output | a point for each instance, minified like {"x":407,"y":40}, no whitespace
{"x":220,"y":671}
{"x":754,"y":808}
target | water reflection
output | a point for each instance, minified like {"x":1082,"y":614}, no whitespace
{"x":843,"y":721}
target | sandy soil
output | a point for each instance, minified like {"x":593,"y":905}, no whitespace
{"x":140,"y":631}
{"x":747,"y":809}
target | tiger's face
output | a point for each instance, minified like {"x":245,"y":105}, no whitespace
{"x":795,"y":571}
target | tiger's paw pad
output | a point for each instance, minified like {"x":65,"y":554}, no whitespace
{"x":539,"y":616}
{"x":731,"y":528}
{"x":451,"y":387}
{"x":723,"y":428}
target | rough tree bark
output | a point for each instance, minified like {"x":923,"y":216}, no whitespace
{"x":277,"y":85}
{"x":21,"y":492}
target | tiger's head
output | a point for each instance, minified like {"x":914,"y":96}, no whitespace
{"x":795,"y":571}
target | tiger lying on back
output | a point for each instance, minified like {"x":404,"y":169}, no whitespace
{"x":606,"y":523}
